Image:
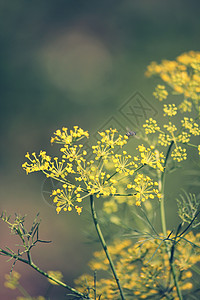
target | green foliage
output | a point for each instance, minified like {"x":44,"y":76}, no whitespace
{"x":188,"y":208}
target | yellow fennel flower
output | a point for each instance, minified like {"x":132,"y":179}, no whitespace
{"x":160,"y":92}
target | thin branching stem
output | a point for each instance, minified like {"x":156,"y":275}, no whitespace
{"x":103,"y":243}
{"x":23,"y":291}
{"x":32,"y":265}
{"x":161,"y":183}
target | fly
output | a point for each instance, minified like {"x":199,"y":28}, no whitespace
{"x":131,"y":133}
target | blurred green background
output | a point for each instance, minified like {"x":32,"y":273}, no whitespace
{"x":65,"y":63}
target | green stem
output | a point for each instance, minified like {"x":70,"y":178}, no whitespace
{"x":32,"y":265}
{"x":161,"y":183}
{"x":103,"y":243}
{"x":140,"y":167}
{"x":176,"y":281}
{"x":23,"y":292}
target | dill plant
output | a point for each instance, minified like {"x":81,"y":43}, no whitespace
{"x":160,"y":264}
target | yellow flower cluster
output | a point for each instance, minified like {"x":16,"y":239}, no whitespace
{"x":185,"y":106}
{"x":170,"y":132}
{"x":170,"y":110}
{"x":151,"y":157}
{"x":182,"y":75}
{"x":193,"y":128}
{"x":151,"y":126}
{"x":37,"y":164}
{"x":170,"y":127}
{"x":123,"y":164}
{"x":96,"y":179}
{"x":63,"y":137}
{"x":12,"y":280}
{"x":108,"y":141}
{"x":93,"y":177}
{"x":64,"y":198}
{"x":184,"y":137}
{"x":160,"y":92}
{"x":144,"y":189}
{"x":143,"y":269}
{"x":164,"y":139}
{"x":179,"y":154}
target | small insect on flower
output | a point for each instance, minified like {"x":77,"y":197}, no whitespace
{"x":130,"y":133}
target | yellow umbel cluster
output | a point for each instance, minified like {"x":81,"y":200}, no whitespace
{"x":143,"y":268}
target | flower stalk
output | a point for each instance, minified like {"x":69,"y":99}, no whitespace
{"x":161,"y":183}
{"x":103,"y":243}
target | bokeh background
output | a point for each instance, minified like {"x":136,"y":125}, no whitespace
{"x":65,"y":63}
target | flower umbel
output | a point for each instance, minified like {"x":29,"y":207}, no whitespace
{"x":182,"y":75}
{"x":185,"y":106}
{"x":109,"y":140}
{"x":65,"y":198}
{"x":144,"y":188}
{"x":123,"y":163}
{"x":160,"y":92}
{"x":12,"y":280}
{"x":170,"y":110}
{"x":151,"y":157}
{"x":191,"y":126}
{"x":63,"y":137}
{"x":151,"y":126}
{"x":90,"y":177}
